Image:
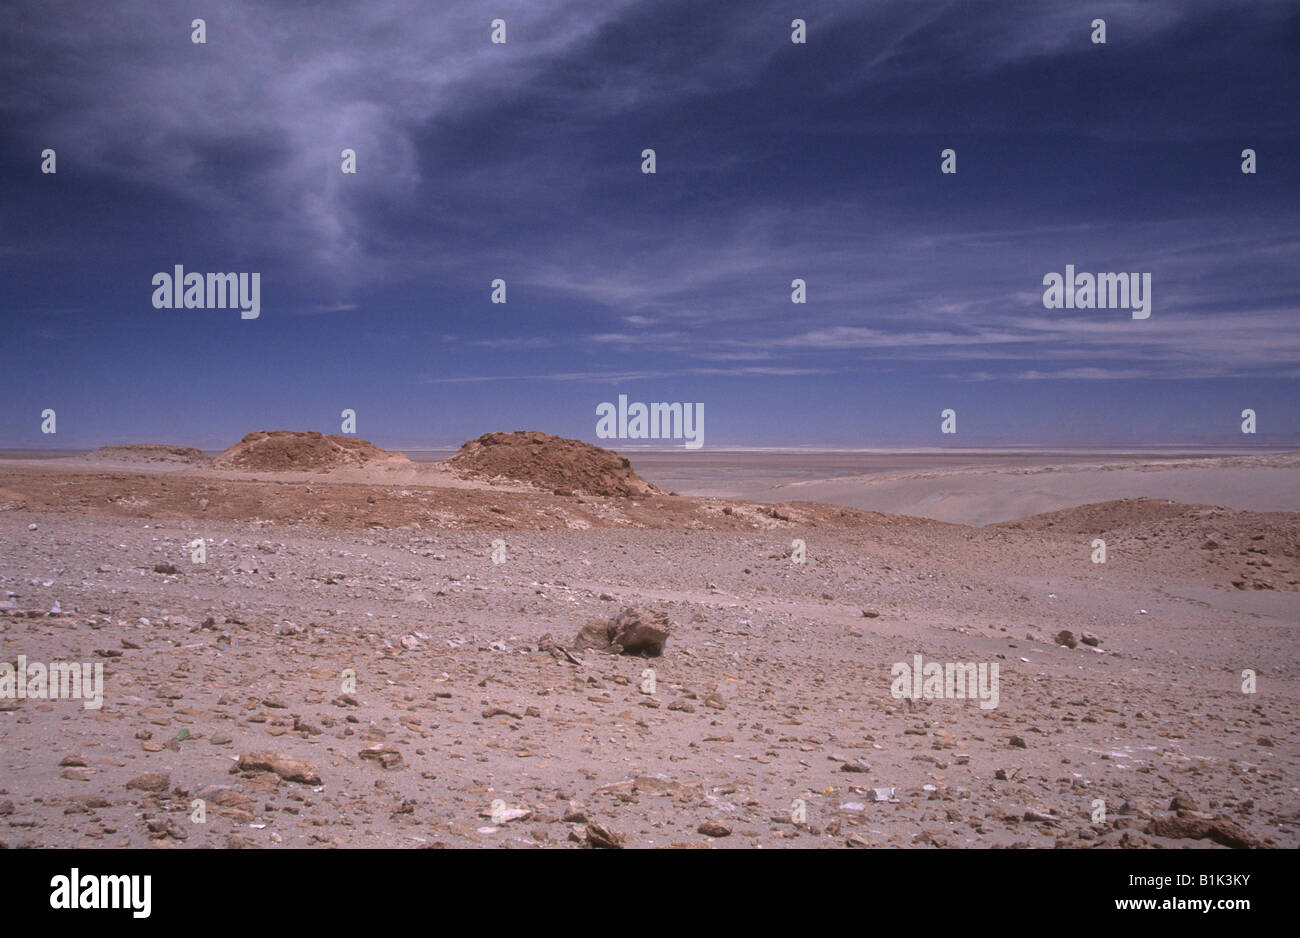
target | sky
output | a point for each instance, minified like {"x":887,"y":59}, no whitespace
{"x":522,"y":161}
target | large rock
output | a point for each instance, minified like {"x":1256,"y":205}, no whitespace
{"x":634,"y":631}
{"x":154,"y":782}
{"x":598,"y":835}
{"x":288,"y":768}
{"x":1220,"y":829}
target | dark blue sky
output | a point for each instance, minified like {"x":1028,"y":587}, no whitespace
{"x":775,"y":161}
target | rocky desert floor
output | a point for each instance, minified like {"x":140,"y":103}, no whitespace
{"x":351,"y":666}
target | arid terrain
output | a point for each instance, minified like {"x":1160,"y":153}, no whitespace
{"x":380,"y":652}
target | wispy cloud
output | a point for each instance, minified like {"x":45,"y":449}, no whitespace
{"x":613,"y":377}
{"x":776,"y":162}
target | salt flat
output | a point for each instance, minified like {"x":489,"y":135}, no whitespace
{"x":981,"y":488}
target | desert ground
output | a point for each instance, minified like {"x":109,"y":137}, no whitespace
{"x":378,"y":652}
